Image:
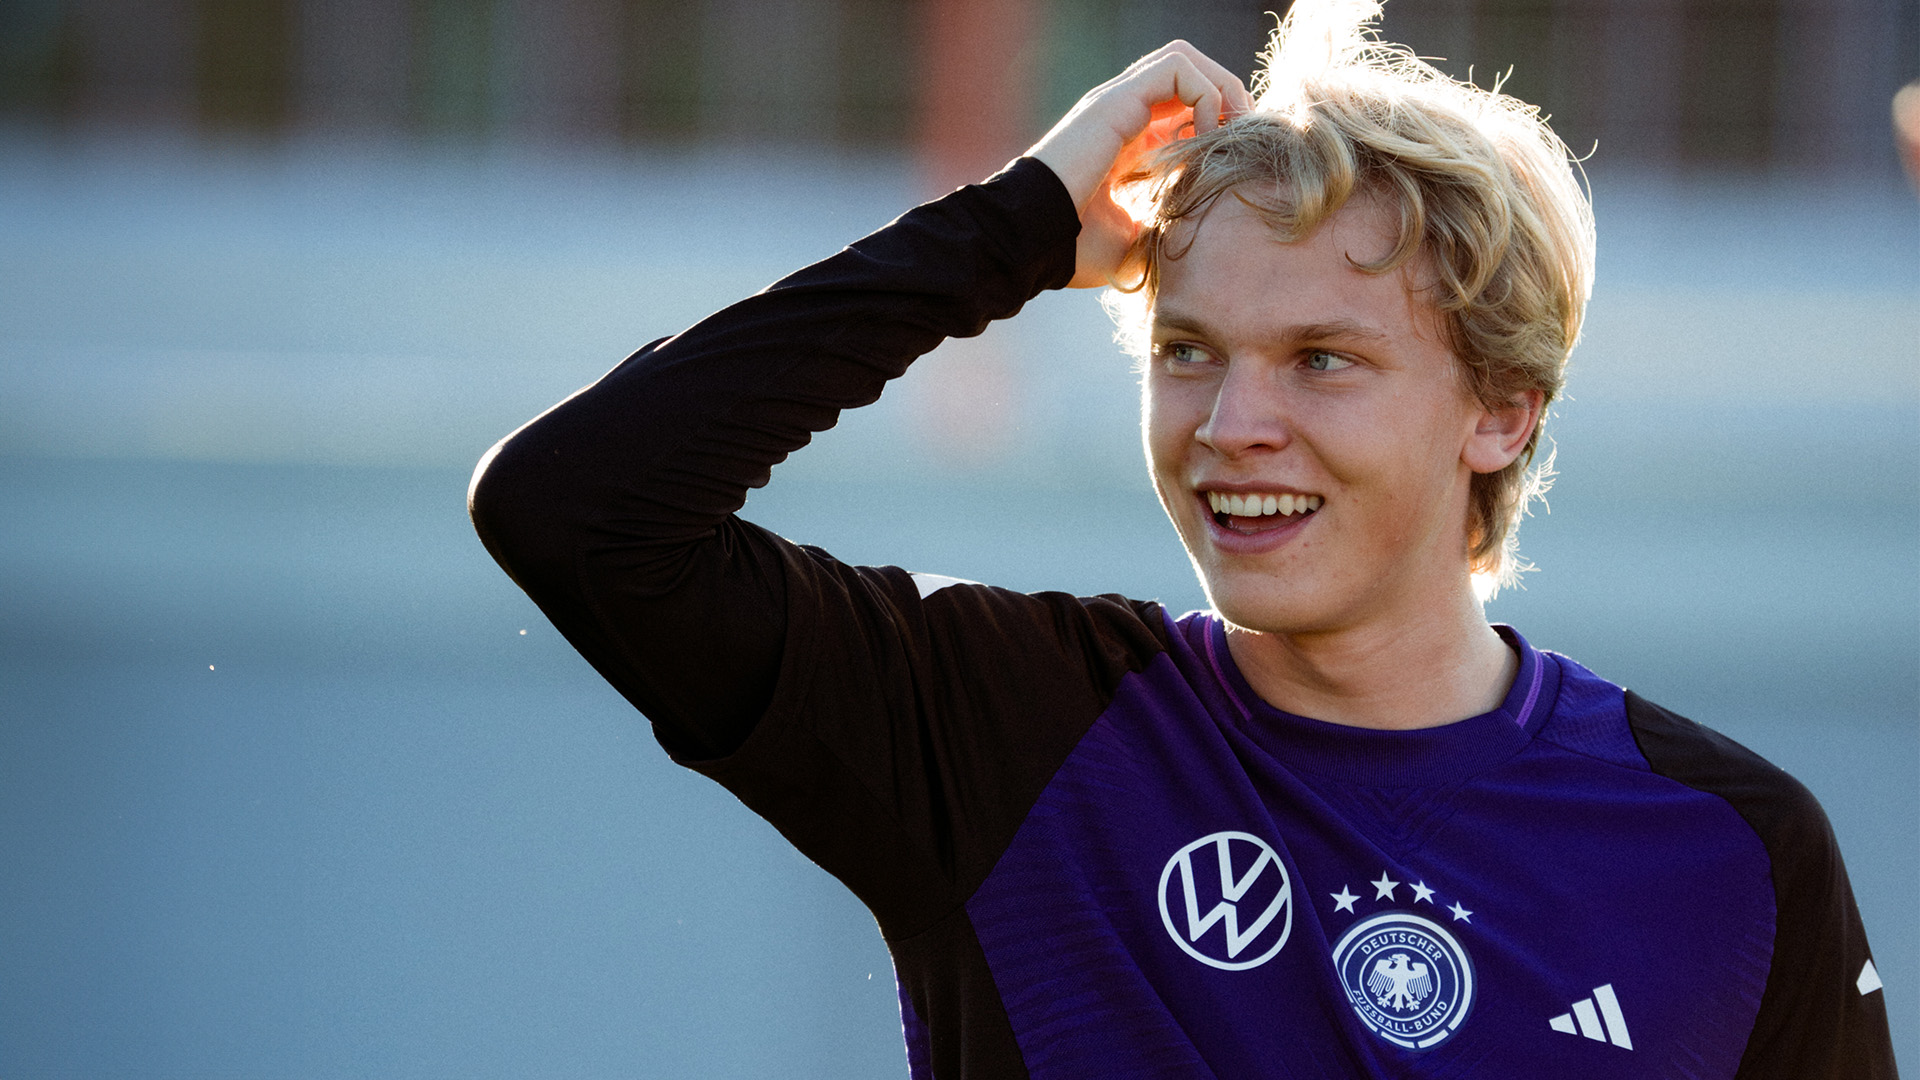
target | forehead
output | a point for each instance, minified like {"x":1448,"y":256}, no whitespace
{"x":1233,"y":272}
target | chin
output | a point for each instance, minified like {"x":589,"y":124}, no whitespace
{"x":1268,"y":607}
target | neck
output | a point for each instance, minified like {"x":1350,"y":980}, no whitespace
{"x":1399,"y":676}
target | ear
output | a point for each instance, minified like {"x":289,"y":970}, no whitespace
{"x":1499,"y":435}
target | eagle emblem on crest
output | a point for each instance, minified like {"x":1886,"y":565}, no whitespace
{"x":1399,"y":982}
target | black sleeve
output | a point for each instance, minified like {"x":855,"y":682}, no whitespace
{"x":613,"y":510}
{"x":849,"y":706}
{"x":1817,"y":1020}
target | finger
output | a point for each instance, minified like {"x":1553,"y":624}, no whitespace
{"x":1192,"y":87}
{"x":1175,"y":77}
{"x":1206,"y":111}
{"x":1233,"y":91}
{"x":1104,"y":129}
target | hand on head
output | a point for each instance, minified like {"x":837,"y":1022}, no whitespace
{"x":1174,"y":90}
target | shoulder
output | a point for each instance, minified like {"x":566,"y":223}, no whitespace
{"x":1822,"y":1014}
{"x":917,"y":718}
{"x":940,"y":615}
{"x":1600,"y":719}
{"x":1800,"y":845}
{"x":1780,"y":809}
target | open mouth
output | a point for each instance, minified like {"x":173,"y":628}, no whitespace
{"x":1251,"y":512}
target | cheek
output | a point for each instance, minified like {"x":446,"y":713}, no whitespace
{"x":1409,"y":460}
{"x":1163,"y":427}
{"x":1168,"y":423}
{"x":1410,"y":436}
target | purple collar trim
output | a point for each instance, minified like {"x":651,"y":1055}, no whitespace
{"x":1210,"y":637}
{"x":1529,"y":658}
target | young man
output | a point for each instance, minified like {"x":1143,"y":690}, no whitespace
{"x":1339,"y":826}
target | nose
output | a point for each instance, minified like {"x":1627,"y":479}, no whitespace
{"x":1249,"y":414}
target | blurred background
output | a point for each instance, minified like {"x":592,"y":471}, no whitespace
{"x":294,"y":783}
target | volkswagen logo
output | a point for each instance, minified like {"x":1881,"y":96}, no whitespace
{"x":1226,"y":899}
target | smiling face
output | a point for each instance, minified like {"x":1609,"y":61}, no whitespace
{"x":1306,"y":426}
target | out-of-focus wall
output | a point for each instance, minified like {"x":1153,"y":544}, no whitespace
{"x":1688,"y":84}
{"x":627,"y":71}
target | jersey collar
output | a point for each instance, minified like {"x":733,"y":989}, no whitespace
{"x":1391,"y":758}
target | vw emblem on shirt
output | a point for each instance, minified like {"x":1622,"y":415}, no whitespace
{"x":1408,"y":978}
{"x":1226,"y":899}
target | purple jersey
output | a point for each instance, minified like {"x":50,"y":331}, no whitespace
{"x":1246,"y":892}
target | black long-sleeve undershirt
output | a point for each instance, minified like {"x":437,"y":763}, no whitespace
{"x":614,"y":509}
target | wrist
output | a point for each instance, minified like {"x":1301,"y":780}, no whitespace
{"x":1069,"y":163}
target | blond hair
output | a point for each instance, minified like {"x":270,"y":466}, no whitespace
{"x":1486,"y":196}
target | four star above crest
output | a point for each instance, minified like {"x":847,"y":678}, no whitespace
{"x":1383,"y":889}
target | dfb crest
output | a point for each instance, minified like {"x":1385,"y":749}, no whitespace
{"x":1407,"y":978}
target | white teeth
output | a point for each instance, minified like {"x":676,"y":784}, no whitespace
{"x":1221,"y":502}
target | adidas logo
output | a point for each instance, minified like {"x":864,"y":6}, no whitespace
{"x":1590,"y":1019}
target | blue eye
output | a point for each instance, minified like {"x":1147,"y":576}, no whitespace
{"x":1321,"y":360}
{"x":1182,"y":354}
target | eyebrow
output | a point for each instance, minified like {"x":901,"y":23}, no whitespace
{"x":1332,"y":330}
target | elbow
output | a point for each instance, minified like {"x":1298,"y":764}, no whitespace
{"x":484,"y":496}
{"x":511,"y":508}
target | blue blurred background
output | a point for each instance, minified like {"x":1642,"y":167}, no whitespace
{"x":294,"y":783}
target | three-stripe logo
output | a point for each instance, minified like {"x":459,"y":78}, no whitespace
{"x":1591,"y":1020}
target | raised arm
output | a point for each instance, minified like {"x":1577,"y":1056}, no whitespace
{"x":614,"y":509}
